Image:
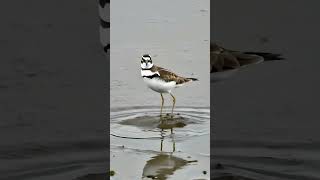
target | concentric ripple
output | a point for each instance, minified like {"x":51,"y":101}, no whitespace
{"x":165,"y":147}
{"x":144,"y":123}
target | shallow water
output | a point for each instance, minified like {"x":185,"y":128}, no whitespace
{"x":46,"y":129}
{"x":266,"y":118}
{"x":176,"y":40}
{"x":52,"y":109}
{"x":160,"y":147}
{"x":167,"y":148}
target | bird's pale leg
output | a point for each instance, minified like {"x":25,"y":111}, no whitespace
{"x":173,"y":141}
{"x":162,"y":134}
{"x":174,"y":102}
{"x":161,"y":145}
{"x":162,"y":101}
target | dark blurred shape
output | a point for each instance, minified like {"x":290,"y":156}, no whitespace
{"x":104,"y":24}
{"x":106,"y":48}
{"x":103,"y":2}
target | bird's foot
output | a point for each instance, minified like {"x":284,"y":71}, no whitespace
{"x":172,"y":115}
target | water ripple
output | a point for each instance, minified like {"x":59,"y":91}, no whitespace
{"x":142,"y":122}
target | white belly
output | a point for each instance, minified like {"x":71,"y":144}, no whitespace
{"x":159,"y":86}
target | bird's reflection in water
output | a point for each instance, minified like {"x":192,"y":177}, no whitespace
{"x":162,"y":166}
{"x":153,"y":122}
{"x":165,"y":164}
{"x":171,"y":123}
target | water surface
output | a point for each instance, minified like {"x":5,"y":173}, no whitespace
{"x":266,"y":119}
{"x":179,"y":147}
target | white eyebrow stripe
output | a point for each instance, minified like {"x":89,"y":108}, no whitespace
{"x":146,"y":58}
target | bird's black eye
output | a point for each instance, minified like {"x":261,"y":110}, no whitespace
{"x":141,"y":61}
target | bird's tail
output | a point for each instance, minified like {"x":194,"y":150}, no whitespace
{"x":267,"y":56}
{"x":193,"y":79}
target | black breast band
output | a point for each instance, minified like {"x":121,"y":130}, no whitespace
{"x":152,"y":76}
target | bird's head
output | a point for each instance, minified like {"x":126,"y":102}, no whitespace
{"x":146,"y":62}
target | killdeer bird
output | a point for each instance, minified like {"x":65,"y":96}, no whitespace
{"x":161,"y":80}
{"x":224,"y":62}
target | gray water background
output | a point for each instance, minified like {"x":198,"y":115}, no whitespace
{"x":176,"y":38}
{"x":266,"y":119}
{"x":35,"y":125}
{"x":53,"y":73}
